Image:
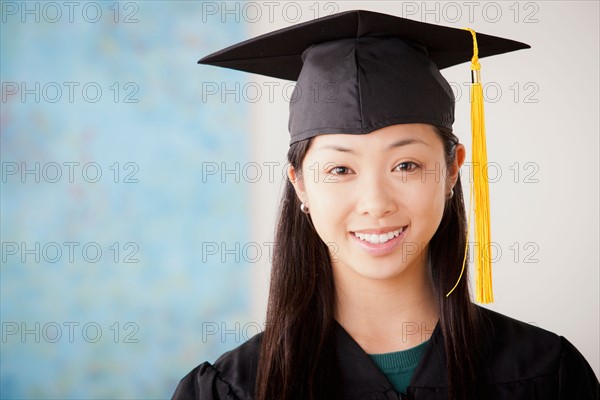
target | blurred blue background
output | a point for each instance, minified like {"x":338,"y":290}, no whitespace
{"x":106,"y":98}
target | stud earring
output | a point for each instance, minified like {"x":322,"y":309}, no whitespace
{"x":304,"y":208}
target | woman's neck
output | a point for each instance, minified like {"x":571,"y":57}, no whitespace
{"x":385,"y":315}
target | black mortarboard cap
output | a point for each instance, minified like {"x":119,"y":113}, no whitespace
{"x":358,"y":71}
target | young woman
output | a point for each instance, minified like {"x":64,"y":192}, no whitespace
{"x":372,"y":233}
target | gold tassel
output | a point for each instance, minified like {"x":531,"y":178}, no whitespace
{"x":483,"y":262}
{"x":480,"y":201}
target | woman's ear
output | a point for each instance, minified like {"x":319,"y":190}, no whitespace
{"x":459,"y":160}
{"x":298,"y":183}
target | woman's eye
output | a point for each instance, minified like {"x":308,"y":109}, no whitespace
{"x":339,"y":170}
{"x":407,"y":166}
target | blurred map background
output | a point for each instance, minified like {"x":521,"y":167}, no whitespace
{"x":108,"y":299}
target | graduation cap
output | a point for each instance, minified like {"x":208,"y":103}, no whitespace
{"x":359,"y":71}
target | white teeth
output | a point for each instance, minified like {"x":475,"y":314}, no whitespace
{"x":376,"y":238}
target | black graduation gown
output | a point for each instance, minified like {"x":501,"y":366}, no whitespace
{"x":523,"y":362}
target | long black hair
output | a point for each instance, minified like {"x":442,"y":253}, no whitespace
{"x":297,"y":355}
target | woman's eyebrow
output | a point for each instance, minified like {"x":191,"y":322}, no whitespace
{"x":399,"y":143}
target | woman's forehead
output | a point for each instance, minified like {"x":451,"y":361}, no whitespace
{"x":391,"y":136}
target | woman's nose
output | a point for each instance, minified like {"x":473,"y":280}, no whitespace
{"x":376,"y":197}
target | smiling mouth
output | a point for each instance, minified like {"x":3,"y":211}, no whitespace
{"x":379,"y":238}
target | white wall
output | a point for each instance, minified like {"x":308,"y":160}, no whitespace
{"x":553,"y":124}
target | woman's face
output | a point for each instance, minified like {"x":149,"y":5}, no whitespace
{"x":377,"y":199}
